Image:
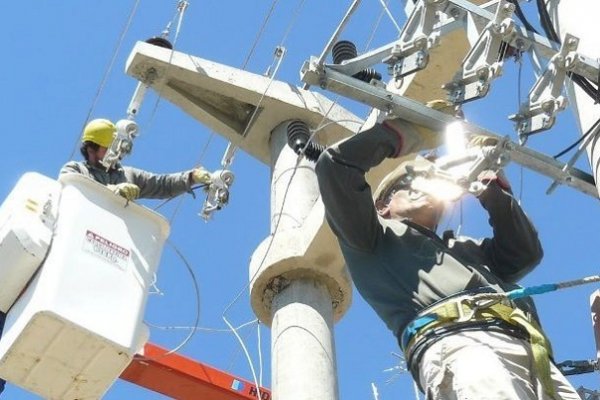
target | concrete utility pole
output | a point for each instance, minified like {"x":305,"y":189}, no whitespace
{"x":302,"y":310}
{"x":579,"y":18}
{"x":299,"y":284}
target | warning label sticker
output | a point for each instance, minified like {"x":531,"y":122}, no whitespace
{"x":107,"y":250}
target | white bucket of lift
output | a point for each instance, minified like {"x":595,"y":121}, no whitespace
{"x":27,"y":219}
{"x":79,"y":323}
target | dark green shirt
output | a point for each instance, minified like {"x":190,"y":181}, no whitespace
{"x":400,"y":267}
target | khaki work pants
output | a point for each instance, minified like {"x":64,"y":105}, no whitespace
{"x":483,"y":365}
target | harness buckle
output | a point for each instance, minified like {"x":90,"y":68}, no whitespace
{"x":473,"y":306}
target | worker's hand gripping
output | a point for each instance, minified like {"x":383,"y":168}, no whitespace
{"x":488,"y":166}
{"x":217,"y":192}
{"x":200,"y":176}
{"x":128,"y":190}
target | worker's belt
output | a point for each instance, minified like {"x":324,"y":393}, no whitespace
{"x":474,"y":312}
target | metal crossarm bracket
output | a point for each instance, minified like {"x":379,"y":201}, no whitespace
{"x":420,"y":114}
{"x":545,"y":97}
{"x":411,"y":52}
{"x":483,"y":63}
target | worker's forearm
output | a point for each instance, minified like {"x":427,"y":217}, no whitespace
{"x":515,"y":245}
{"x":367,"y":149}
{"x":159,"y":186}
{"x":344,"y":190}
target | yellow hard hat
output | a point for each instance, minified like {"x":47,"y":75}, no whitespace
{"x":99,"y":131}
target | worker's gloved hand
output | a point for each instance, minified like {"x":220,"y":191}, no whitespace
{"x":417,"y":137}
{"x":128,"y":190}
{"x":487,"y":144}
{"x":482,"y":141}
{"x":200,"y":176}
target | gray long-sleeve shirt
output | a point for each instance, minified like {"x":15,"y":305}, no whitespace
{"x":399,"y":267}
{"x":152,"y":186}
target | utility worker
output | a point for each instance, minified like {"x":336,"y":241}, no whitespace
{"x":131,"y":183}
{"x":424,"y":288}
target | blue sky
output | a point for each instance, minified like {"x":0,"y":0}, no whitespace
{"x":55,"y":55}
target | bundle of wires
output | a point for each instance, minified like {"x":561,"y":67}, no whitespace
{"x":579,"y":80}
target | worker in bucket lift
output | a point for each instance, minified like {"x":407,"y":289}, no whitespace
{"x":131,"y":183}
{"x":425,"y":288}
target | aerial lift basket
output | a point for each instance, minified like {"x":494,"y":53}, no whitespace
{"x":78,"y":323}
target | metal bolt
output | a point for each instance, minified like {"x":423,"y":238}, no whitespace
{"x":520,"y":44}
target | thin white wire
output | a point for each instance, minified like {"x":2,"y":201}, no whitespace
{"x":200,"y":328}
{"x":260,"y":360}
{"x":197,"y":320}
{"x":246,"y":353}
{"x":236,"y":298}
{"x":375,"y":27}
{"x":249,"y":56}
{"x":417,"y":391}
{"x":374,"y":391}
{"x":106,"y":74}
{"x":389,"y":14}
{"x":519,"y":87}
{"x":231,"y":148}
{"x":232,"y":152}
{"x":246,"y":286}
{"x":259,"y":34}
{"x":292,"y":22}
{"x":181,"y":7}
{"x":196,"y":290}
{"x":337,"y":98}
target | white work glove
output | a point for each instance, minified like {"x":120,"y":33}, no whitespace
{"x":200,"y":176}
{"x":128,"y":190}
{"x":487,"y":145}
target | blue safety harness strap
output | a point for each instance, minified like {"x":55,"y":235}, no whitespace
{"x":414,"y":326}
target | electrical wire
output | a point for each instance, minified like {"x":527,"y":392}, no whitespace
{"x":259,"y":34}
{"x":232,"y":148}
{"x":107,"y":72}
{"x":548,"y":28}
{"x":519,"y":59}
{"x":200,"y":328}
{"x":375,"y":27}
{"x":182,"y":5}
{"x":235,"y":353}
{"x":321,"y":124}
{"x":521,"y":16}
{"x":279,"y":55}
{"x":239,"y":294}
{"x":195,"y":326}
{"x":260,"y":360}
{"x":292,"y":22}
{"x":192,"y":189}
{"x":236,"y":298}
{"x":581,"y":139}
{"x":390,"y":16}
{"x":257,"y":39}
